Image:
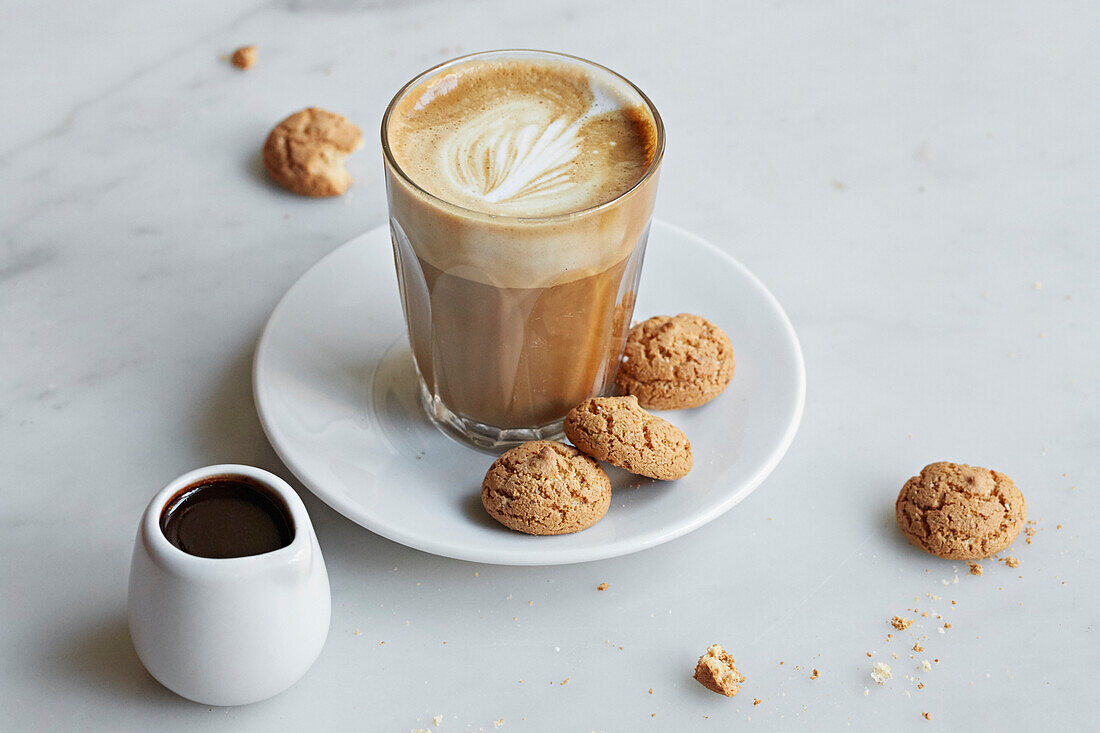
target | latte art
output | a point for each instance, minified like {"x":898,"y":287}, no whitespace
{"x":512,"y":156}
{"x":522,"y":138}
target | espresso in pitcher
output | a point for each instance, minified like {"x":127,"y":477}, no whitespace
{"x":226,"y":516}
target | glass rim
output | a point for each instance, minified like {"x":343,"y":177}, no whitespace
{"x":654,"y":164}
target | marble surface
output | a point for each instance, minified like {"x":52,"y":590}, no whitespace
{"x":917,"y":183}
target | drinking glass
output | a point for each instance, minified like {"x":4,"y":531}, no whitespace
{"x":514,"y":320}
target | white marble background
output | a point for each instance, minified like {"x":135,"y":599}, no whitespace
{"x":917,"y":182}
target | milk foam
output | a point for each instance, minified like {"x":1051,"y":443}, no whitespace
{"x":521,"y":138}
{"x":513,"y":154}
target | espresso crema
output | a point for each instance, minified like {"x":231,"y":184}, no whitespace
{"x":523,"y":137}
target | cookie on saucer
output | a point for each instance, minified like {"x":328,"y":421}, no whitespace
{"x":675,"y":362}
{"x":960,"y":512}
{"x":619,"y":431}
{"x":545,"y":487}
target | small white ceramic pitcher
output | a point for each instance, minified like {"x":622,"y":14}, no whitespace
{"x":228,"y":631}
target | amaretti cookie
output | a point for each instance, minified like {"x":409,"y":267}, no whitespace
{"x":619,"y":431}
{"x":960,"y":512}
{"x":671,"y":363}
{"x":544,"y":487}
{"x":305,"y":153}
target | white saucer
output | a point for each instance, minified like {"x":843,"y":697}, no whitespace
{"x":336,"y":392}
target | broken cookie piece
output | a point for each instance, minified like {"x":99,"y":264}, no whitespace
{"x":305,"y":153}
{"x":716,"y":672}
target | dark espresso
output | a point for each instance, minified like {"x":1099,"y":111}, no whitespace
{"x":226,"y":516}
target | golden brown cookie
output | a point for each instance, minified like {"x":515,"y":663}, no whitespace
{"x":960,"y":512}
{"x":717,"y":672}
{"x":671,"y":363}
{"x":545,"y":487}
{"x":244,"y":57}
{"x":305,"y":153}
{"x":619,"y":431}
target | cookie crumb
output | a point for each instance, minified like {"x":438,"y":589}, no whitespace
{"x":756,"y":701}
{"x":975,"y":568}
{"x":244,"y":57}
{"x":437,"y":720}
{"x":880,"y":672}
{"x":926,"y":716}
{"x":717,"y":672}
{"x":498,"y":723}
{"x":925,"y":665}
{"x":901,"y":624}
{"x":602,"y":586}
{"x":814,"y":674}
{"x":650,"y":690}
{"x":1013,"y":562}
{"x":566,"y":680}
{"x":917,"y":647}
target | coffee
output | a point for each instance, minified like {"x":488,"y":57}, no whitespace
{"x":226,"y":516}
{"x":521,"y":186}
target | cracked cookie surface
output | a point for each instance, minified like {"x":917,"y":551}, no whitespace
{"x":305,"y":153}
{"x":675,"y":362}
{"x":619,"y":431}
{"x":545,"y":487}
{"x":960,"y":512}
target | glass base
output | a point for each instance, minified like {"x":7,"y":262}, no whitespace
{"x":479,"y":435}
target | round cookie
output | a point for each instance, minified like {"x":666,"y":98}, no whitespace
{"x":544,"y":487}
{"x":619,"y":431}
{"x":671,"y":363}
{"x":305,"y":153}
{"x":960,"y":512}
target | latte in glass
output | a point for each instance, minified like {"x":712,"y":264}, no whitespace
{"x":520,"y":185}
